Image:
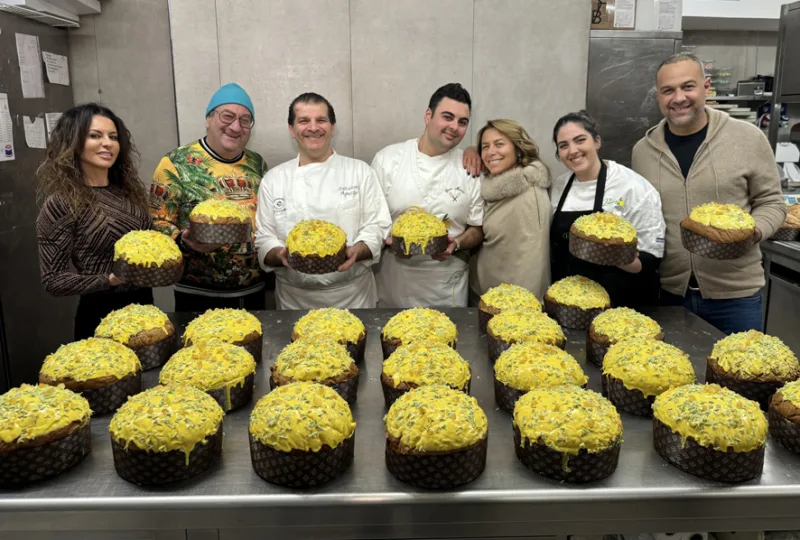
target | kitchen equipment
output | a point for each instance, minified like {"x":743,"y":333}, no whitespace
{"x":750,"y":88}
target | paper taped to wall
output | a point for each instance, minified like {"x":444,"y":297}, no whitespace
{"x":51,"y":119}
{"x":34,"y":132}
{"x":30,"y":66}
{"x":57,"y":67}
{"x":6,"y":130}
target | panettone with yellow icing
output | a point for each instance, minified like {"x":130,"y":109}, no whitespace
{"x":425,"y":363}
{"x":302,"y":416}
{"x":148,"y":249}
{"x":792,"y":220}
{"x":235,"y":326}
{"x":419,"y":324}
{"x":506,"y":296}
{"x":713,"y":417}
{"x":567,"y":419}
{"x":525,"y":366}
{"x":526,"y":325}
{"x":337,"y":324}
{"x":416,"y":226}
{"x":620,"y":323}
{"x":314,"y":237}
{"x":578,"y":292}
{"x":722,"y":223}
{"x":322,"y":360}
{"x":786,"y":402}
{"x":754,"y":356}
{"x":219,"y":212}
{"x":435,"y":419}
{"x":605,"y":228}
{"x":36,"y":415}
{"x":89,"y":363}
{"x":647,"y":365}
{"x":135,"y":326}
{"x":165,"y":419}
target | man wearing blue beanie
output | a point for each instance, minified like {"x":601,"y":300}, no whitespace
{"x":217,"y":166}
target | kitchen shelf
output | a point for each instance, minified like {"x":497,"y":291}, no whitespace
{"x":739,"y":98}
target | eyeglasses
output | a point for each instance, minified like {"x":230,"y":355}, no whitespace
{"x":228,"y":117}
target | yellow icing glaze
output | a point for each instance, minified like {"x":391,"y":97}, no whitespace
{"x":315,"y":237}
{"x":606,"y":225}
{"x":427,"y":363}
{"x":147,"y":248}
{"x":226,"y":324}
{"x":91,"y":358}
{"x":791,"y":392}
{"x":436,"y":419}
{"x":713,"y":416}
{"x":416,"y":226}
{"x":580,"y":292}
{"x":314,"y":360}
{"x":333,"y":323}
{"x":749,"y":355}
{"x":421,"y":324}
{"x":525,"y":325}
{"x":623,"y":323}
{"x":166,"y":418}
{"x":209,"y":366}
{"x":722,"y":216}
{"x":506,"y":296}
{"x":525,"y":366}
{"x":648,"y":365}
{"x":302,"y":416}
{"x":121,"y":325}
{"x":568,"y":419}
{"x":221,"y":208}
{"x":30,"y":411}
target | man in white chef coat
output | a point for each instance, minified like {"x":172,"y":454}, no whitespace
{"x":321,"y":184}
{"x":428,"y":172}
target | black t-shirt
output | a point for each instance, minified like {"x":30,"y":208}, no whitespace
{"x":684,"y":147}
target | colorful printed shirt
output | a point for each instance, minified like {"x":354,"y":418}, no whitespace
{"x":189,"y":175}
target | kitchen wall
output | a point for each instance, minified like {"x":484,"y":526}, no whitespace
{"x":746,"y":53}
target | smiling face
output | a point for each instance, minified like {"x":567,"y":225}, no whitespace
{"x":497,"y":151}
{"x":681,"y":91}
{"x":312,"y":129}
{"x":227,"y":140}
{"x":101,"y":147}
{"x":576,"y":149}
{"x":446,"y":126}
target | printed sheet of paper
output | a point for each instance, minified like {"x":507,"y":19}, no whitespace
{"x":625,"y":14}
{"x":6,"y":130}
{"x":30,"y":66}
{"x":34,"y":132}
{"x":668,"y":14}
{"x":51,"y":119}
{"x":57,"y":67}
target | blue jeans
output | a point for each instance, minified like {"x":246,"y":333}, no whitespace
{"x":730,"y":316}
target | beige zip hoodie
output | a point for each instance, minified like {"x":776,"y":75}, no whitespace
{"x":734,"y":165}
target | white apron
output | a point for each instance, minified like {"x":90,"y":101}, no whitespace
{"x":420,"y":280}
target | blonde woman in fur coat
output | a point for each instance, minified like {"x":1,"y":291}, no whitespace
{"x":516,"y":219}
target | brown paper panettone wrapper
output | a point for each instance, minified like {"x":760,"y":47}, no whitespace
{"x":483,"y":319}
{"x":255,"y":347}
{"x":356,"y":350}
{"x":391,"y":394}
{"x":300,"y":469}
{"x":757,"y":391}
{"x":571,"y":317}
{"x":705,"y":462}
{"x":134,"y":274}
{"x":108,"y":399}
{"x":156,"y":354}
{"x":506,"y":397}
{"x":240,"y":395}
{"x":314,"y":264}
{"x":435,"y":245}
{"x":787,"y":234}
{"x":575,"y":468}
{"x":158,"y":468}
{"x":391,"y":345}
{"x":700,"y":245}
{"x":498,"y":346}
{"x":624,"y":399}
{"x":438,"y":470}
{"x":595,"y":352}
{"x":603,"y":254}
{"x":209,"y":233}
{"x":783,"y":430}
{"x":24,"y":466}
{"x":348,"y":389}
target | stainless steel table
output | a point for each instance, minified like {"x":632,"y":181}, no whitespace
{"x":645,"y":494}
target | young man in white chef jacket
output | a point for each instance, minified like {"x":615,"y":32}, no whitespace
{"x":321,"y":184}
{"x":428,"y":172}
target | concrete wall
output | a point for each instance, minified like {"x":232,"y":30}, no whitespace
{"x":378,"y":61}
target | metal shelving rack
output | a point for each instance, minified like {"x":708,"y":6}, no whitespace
{"x":787,"y":67}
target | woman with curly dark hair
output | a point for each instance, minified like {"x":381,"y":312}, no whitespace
{"x":91,"y":195}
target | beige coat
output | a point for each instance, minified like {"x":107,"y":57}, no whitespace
{"x":516,"y":225}
{"x":734,"y":165}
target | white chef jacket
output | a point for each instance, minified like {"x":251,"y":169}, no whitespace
{"x":441,"y":186}
{"x":627,"y":194}
{"x":341,"y":190}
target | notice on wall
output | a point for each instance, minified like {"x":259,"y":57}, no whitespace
{"x":34,"y":132}
{"x":668,"y":15}
{"x":57,"y":67}
{"x":613,"y":14}
{"x":6,"y":130}
{"x":30,"y":66}
{"x":625,"y":14}
{"x":51,"y":119}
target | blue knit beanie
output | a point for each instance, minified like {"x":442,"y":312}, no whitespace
{"x":230,"y":93}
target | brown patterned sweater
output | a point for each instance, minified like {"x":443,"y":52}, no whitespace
{"x":76,"y":253}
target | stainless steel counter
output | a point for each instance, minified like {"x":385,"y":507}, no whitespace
{"x":645,"y":494}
